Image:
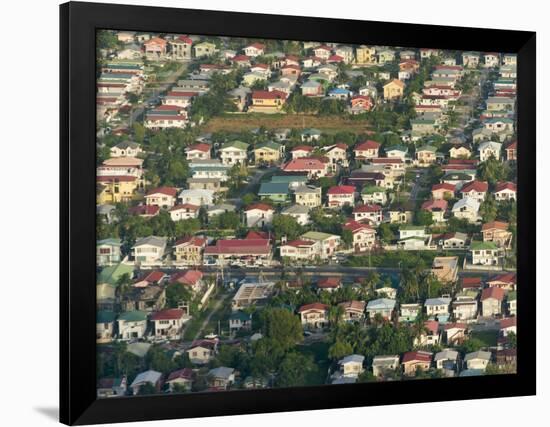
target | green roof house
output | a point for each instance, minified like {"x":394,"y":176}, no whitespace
{"x":278,"y":192}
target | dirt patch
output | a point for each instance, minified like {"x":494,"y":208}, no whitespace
{"x":330,"y":124}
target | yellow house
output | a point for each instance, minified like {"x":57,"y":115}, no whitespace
{"x":365,"y":55}
{"x":394,"y":89}
{"x":268,"y":152}
{"x":116,"y":189}
{"x":267,"y":102}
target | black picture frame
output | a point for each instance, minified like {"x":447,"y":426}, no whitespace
{"x":78,"y":25}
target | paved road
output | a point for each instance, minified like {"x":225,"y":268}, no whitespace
{"x":156,"y":93}
{"x":417,"y":184}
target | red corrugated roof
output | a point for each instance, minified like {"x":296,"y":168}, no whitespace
{"x":496,"y":293}
{"x":192,"y":241}
{"x":341,"y":189}
{"x":505,"y":186}
{"x":422,"y":356}
{"x":203,"y":147}
{"x":478,"y":186}
{"x":367,"y":145}
{"x":168,"y":314}
{"x":313,"y":306}
{"x":169,"y":191}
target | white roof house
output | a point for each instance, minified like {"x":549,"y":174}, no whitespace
{"x":197,"y":197}
{"x":143,"y":378}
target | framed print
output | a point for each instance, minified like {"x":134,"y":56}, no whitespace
{"x":268,"y":213}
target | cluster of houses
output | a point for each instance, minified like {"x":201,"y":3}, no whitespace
{"x":366,"y":179}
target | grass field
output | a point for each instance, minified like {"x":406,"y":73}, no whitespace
{"x":489,"y":338}
{"x":330,"y":124}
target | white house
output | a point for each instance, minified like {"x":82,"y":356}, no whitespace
{"x":184,"y":211}
{"x":132,"y":325}
{"x":258,"y":215}
{"x":477,"y":360}
{"x":168,"y":323}
{"x":299,"y":212}
{"x":489,"y":149}
{"x":197,"y":197}
{"x":467,"y":208}
{"x":149,"y":250}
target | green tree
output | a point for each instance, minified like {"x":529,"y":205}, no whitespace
{"x":339,"y":349}
{"x":281,"y":326}
{"x":286,"y":225}
{"x":294,"y":369}
{"x":488,"y":209}
{"x":423,"y":217}
{"x":176,"y":293}
{"x":147,"y":389}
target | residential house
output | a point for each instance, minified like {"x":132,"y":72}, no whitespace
{"x":189,"y":250}
{"x":507,"y":326}
{"x":383,"y":365}
{"x":485,"y":253}
{"x":210,"y":184}
{"x":465,"y":306}
{"x":455,"y":333}
{"x":300,"y":249}
{"x":184,"y":211}
{"x":489,"y":149}
{"x":491,"y":301}
{"x":243,"y":252}
{"x":443,"y":191}
{"x":198,"y":151}
{"x":275,"y":191}
{"x":412,"y":237}
{"x":364,"y":236}
{"x":315,"y":167}
{"x":341,"y":195}
{"x":409,"y":312}
{"x":460,"y":151}
{"x":382,"y":306}
{"x":354,"y":311}
{"x":497,"y":232}
{"x":329,"y":243}
{"x":202,"y":352}
{"x":448,"y":361}
{"x":149,"y":298}
{"x":506,"y":281}
{"x":155,"y":48}
{"x":221,"y":378}
{"x":467,"y":208}
{"x":132,"y":325}
{"x":438,"y":308}
{"x":329,"y":284}
{"x":196,"y":197}
{"x":126,"y":149}
{"x":181,"y":48}
{"x":505,"y":191}
{"x":268,"y":152}
{"x":369,"y":213}
{"x":366,"y":150}
{"x":264,"y":101}
{"x":372,"y":194}
{"x":453,"y":240}
{"x":394,"y":90}
{"x":477,"y":360}
{"x":470,"y":59}
{"x":151,"y":377}
{"x":181,"y":377}
{"x":511,"y":151}
{"x":437,"y":208}
{"x":191,"y":279}
{"x":310,"y":135}
{"x":234,"y":153}
{"x":149,"y":250}
{"x":475,"y":190}
{"x":299,"y":212}
{"x":312,"y":88}
{"x":414,"y":361}
{"x":254,"y":49}
{"x":314,"y":315}
{"x":105,"y":322}
{"x":115,"y":189}
{"x":108,"y":252}
{"x":426,"y":155}
{"x":167,"y":323}
{"x":239,"y":320}
{"x":258,"y":215}
{"x":365,"y":55}
{"x":163,"y":197}
{"x":430,"y":334}
{"x":203,"y":49}
{"x":351,"y":366}
{"x":301,"y":151}
{"x":337,"y":154}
